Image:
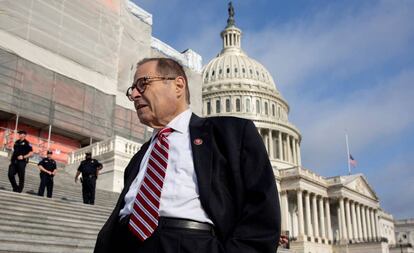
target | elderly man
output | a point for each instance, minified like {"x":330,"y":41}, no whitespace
{"x":198,"y":185}
{"x":22,"y":151}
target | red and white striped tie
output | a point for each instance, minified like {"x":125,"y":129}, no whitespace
{"x":145,"y":215}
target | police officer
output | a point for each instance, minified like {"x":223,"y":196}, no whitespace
{"x":22,"y":150}
{"x":90,"y":171}
{"x":47,"y":167}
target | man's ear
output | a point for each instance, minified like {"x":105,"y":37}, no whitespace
{"x":180,"y":86}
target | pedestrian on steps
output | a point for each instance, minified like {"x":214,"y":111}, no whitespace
{"x":22,"y":151}
{"x":47,"y":167}
{"x":90,"y":170}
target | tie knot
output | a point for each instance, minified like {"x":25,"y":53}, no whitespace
{"x":163,"y":133}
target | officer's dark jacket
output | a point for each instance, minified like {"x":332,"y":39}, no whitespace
{"x":21,"y":148}
{"x":48,"y":164}
{"x":89,"y":167}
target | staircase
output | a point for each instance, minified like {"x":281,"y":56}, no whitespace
{"x":63,"y":224}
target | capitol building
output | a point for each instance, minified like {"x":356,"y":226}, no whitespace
{"x":319,"y":214}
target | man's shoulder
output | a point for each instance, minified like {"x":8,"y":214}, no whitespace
{"x":228,"y":121}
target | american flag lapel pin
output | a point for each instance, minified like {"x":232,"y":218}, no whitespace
{"x":198,"y":141}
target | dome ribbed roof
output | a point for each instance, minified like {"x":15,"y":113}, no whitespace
{"x":236,"y":65}
{"x":232,"y":63}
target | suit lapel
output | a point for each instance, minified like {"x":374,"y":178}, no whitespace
{"x":200,"y":138}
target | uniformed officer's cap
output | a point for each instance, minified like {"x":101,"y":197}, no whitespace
{"x":21,"y":132}
{"x":88,"y":153}
{"x":49,"y":152}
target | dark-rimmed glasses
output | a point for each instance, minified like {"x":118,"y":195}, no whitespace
{"x":141,"y":84}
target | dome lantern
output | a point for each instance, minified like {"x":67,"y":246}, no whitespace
{"x":231,"y":35}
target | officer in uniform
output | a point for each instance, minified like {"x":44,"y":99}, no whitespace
{"x":22,"y":150}
{"x":47,"y":167}
{"x":90,"y":170}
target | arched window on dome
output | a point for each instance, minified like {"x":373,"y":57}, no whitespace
{"x":247,"y":105}
{"x":220,"y":71}
{"x":257,"y":106}
{"x":266,"y":108}
{"x":228,"y":70}
{"x":212,"y":73}
{"x":227,"y":105}
{"x":238,"y":106}
{"x":217,"y":106}
{"x":273,"y":110}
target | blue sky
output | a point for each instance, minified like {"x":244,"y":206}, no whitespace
{"x":341,"y":65}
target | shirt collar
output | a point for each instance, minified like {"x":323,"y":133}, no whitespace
{"x":179,"y":124}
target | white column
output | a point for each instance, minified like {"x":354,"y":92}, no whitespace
{"x":359,"y":219}
{"x":340,"y":229}
{"x":315,"y":216}
{"x":343,"y":222}
{"x":348,"y":220}
{"x":280,"y":146}
{"x":322,"y":218}
{"x":364,"y":224}
{"x":289,"y":150}
{"x":328,"y":220}
{"x":374,"y":232}
{"x":369,"y":224}
{"x":354,"y":221}
{"x":377,"y":225}
{"x":271,"y":144}
{"x":309,"y":230}
{"x":285,"y":210}
{"x":301,"y":222}
{"x":299,"y":157}
{"x":295,"y":157}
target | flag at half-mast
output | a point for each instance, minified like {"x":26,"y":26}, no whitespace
{"x":352,"y":161}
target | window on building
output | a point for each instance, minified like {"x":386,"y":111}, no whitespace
{"x":208,"y":108}
{"x":227,"y":105}
{"x":273,"y":110}
{"x":238,"y":106}
{"x":243,"y":70}
{"x":228,"y":70}
{"x":212,"y":73}
{"x":266,"y":109}
{"x":220,"y":71}
{"x":217,"y":106}
{"x":257,"y":106}
{"x":247,"y":105}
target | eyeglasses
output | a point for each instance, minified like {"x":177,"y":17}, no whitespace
{"x":141,"y":84}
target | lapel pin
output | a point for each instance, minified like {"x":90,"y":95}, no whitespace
{"x":198,"y":141}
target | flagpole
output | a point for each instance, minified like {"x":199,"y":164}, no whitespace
{"x":348,"y":157}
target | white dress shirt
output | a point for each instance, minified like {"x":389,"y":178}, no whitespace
{"x":179,"y":197}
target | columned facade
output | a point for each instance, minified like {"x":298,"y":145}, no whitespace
{"x":318,"y":213}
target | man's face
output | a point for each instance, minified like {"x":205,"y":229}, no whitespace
{"x":159,"y":103}
{"x":22,"y":136}
{"x":49,"y":155}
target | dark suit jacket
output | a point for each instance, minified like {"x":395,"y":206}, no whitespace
{"x":236,"y":185}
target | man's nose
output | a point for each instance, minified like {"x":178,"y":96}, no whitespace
{"x":135,"y":94}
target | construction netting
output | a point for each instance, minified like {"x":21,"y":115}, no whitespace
{"x":67,"y":63}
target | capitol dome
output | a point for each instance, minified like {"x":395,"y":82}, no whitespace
{"x":236,"y":85}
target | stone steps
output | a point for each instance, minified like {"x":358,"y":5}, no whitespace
{"x":64,"y":186}
{"x":40,"y":225}
{"x":62,"y":224}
